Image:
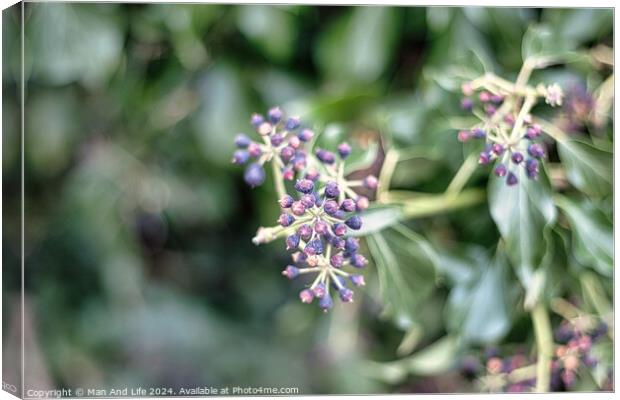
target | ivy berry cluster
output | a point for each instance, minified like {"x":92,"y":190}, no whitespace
{"x":511,"y":137}
{"x":315,"y":222}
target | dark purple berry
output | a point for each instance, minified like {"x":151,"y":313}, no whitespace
{"x":354,"y":222}
{"x":286,"y":219}
{"x":304,"y":186}
{"x":512,"y":179}
{"x":485,"y":158}
{"x":321,"y":227}
{"x":497,"y":98}
{"x":330,"y":207}
{"x":287,"y":154}
{"x":478,"y":133}
{"x":339,"y":229}
{"x":242,"y":140}
{"x":337,"y":242}
{"x":498,"y":149}
{"x":533,"y":131}
{"x":290,"y":271}
{"x":275,"y":114}
{"x":276,"y":139}
{"x":314,"y":247}
{"x":331,"y":189}
{"x":489,"y":109}
{"x":517,"y":157}
{"x":351,"y":245}
{"x":254,"y":175}
{"x":536,"y":150}
{"x":240,"y":157}
{"x":344,"y":150}
{"x":500,"y":170}
{"x":308,"y":200}
{"x":292,"y":123}
{"x":292,"y":242}
{"x":326,"y":302}
{"x":326,"y":157}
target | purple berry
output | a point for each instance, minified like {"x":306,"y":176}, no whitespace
{"x":292,"y":242}
{"x":326,"y":302}
{"x":517,"y":157}
{"x":287,"y":154}
{"x":256,"y":120}
{"x":264,"y":129}
{"x":321,"y":227}
{"x":463,"y":136}
{"x":484,"y":158}
{"x":312,"y":174}
{"x":331,"y":189}
{"x":304,"y":186}
{"x":314,"y":247}
{"x":240,"y":157}
{"x":533,"y":131}
{"x":286,"y":201}
{"x":531,"y":168}
{"x":290,"y":271}
{"x":498,"y":149}
{"x":294,"y":142}
{"x":354,"y":222}
{"x":336,"y":260}
{"x":288,"y":174}
{"x":275,"y":114}
{"x":254,"y":150}
{"x":512,"y":179}
{"x":351,"y":245}
{"x":347,"y":205}
{"x":308,"y":200}
{"x":306,"y":296}
{"x":362,"y":203}
{"x":305,"y":231}
{"x":254,"y":175}
{"x":326,"y":157}
{"x":467,"y":104}
{"x":337,"y":242}
{"x":292,"y":123}
{"x":344,"y":150}
{"x":536,"y":150}
{"x":478,"y":133}
{"x":339,"y":229}
{"x":305,"y":135}
{"x":242,"y":140}
{"x":330,"y":207}
{"x":357,"y":280}
{"x":358,"y":261}
{"x":484,"y":96}
{"x":497,"y":98}
{"x":298,"y":208}
{"x":276,"y":139}
{"x":500,"y":170}
{"x":286,"y":219}
{"x":319,"y":290}
{"x":371,"y":182}
{"x":346,"y":295}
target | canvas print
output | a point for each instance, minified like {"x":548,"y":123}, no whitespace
{"x":293,"y":199}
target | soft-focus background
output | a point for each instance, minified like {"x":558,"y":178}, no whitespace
{"x":140,"y":266}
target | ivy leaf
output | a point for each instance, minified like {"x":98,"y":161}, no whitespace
{"x":523,"y":214}
{"x":406,"y":265}
{"x":592,"y":235}
{"x":588,"y":168}
{"x":479,"y":306}
{"x":376,"y":219}
{"x":542,"y":43}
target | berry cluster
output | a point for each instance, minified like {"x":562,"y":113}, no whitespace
{"x":511,"y":138}
{"x":314,"y":222}
{"x":572,"y":352}
{"x":281,"y":144}
{"x":319,"y":224}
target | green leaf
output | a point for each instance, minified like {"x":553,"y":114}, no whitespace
{"x":377,"y":218}
{"x":359,"y":46}
{"x":437,"y":358}
{"x":271,"y":28}
{"x":592,"y":235}
{"x":523,"y":213}
{"x":588,"y":168}
{"x":479,"y":307}
{"x":406,"y":265}
{"x":542,"y":43}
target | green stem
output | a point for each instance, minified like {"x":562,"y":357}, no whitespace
{"x":278,"y":180}
{"x":462,"y":176}
{"x":425,"y":205}
{"x":544,"y":342}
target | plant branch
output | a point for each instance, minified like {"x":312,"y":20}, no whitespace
{"x":544,"y":343}
{"x":278,"y":180}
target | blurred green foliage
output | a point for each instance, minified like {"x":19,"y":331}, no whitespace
{"x":140,"y":269}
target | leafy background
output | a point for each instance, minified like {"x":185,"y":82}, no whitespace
{"x":140,"y":269}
